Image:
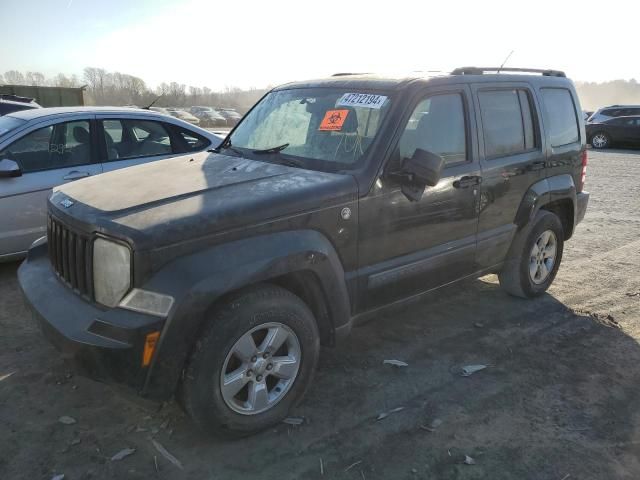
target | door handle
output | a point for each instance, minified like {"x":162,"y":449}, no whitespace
{"x":537,"y":166}
{"x":468,"y":181}
{"x":75,"y":175}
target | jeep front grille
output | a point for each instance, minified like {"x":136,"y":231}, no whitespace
{"x":71,"y":256}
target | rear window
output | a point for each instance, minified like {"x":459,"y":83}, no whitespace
{"x":9,"y":123}
{"x":562,"y":120}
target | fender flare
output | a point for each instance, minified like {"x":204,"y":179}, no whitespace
{"x":198,"y":280}
{"x":544,"y":192}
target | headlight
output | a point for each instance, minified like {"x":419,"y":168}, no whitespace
{"x":111,"y":271}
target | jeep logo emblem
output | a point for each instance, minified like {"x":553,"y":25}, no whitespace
{"x":66,"y":203}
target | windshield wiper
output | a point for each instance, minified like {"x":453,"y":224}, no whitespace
{"x":225,"y":145}
{"x":277,"y":149}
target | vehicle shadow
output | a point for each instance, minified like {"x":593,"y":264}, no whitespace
{"x":559,"y":397}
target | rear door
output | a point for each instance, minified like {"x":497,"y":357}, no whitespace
{"x":48,"y":155}
{"x":617,"y":128}
{"x":512,"y":159}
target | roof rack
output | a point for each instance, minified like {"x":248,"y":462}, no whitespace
{"x":482,"y":70}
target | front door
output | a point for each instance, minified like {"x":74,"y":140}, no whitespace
{"x":408,"y":247}
{"x":49,"y":156}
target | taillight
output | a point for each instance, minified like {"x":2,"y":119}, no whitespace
{"x":583,"y":176}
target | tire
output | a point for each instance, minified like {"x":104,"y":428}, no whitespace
{"x":271,"y":313}
{"x":600,"y":140}
{"x":523,"y":273}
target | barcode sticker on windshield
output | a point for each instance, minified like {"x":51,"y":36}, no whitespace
{"x":364,"y":100}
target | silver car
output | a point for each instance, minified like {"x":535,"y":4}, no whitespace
{"x":45,"y":147}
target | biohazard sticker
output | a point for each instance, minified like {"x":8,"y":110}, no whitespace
{"x":333,"y":120}
{"x":363,"y":100}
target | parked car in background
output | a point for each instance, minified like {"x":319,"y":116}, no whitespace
{"x":613,"y":111}
{"x":161,"y":110}
{"x":230,"y":114}
{"x":45,"y":147}
{"x":184,"y":115}
{"x":614,"y":131}
{"x":209,"y":117}
{"x":15,"y":103}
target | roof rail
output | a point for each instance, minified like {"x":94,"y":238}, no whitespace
{"x":482,"y":70}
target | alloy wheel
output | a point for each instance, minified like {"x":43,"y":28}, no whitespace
{"x":260,"y":368}
{"x":543,"y":257}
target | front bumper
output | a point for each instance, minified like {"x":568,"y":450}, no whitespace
{"x":582,"y":200}
{"x":106,"y":344}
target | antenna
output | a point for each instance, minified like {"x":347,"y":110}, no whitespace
{"x":505,"y":61}
{"x":153,"y":103}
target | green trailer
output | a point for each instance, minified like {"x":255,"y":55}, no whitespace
{"x":48,"y":96}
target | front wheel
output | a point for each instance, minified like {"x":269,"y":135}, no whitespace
{"x":600,"y":140}
{"x":534,"y":257}
{"x":253,"y":362}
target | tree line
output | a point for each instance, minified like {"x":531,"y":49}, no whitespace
{"x":114,"y":88}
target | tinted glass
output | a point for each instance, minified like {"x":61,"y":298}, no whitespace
{"x":502,"y":122}
{"x":527,"y":119}
{"x":192,"y":141}
{"x":56,"y":146}
{"x":135,"y":138}
{"x":437,"y":125}
{"x":562,"y":121}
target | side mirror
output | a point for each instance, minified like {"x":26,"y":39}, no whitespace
{"x":425,"y":167}
{"x":9,"y":168}
{"x":421,"y":170}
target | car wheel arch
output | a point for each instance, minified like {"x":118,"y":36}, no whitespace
{"x":312,"y":271}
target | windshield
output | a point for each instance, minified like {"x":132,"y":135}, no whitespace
{"x":321,"y":127}
{"x":9,"y":123}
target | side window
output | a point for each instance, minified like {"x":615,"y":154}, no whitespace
{"x":438,"y":125}
{"x":192,"y":141}
{"x":507,"y":122}
{"x":56,"y":146}
{"x":126,"y":139}
{"x":562,"y":121}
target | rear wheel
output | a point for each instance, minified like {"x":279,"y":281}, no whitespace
{"x":534,"y":257}
{"x":600,"y":140}
{"x":253,"y":362}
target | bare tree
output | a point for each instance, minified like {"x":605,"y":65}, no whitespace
{"x":97,"y":81}
{"x":61,"y":80}
{"x":35,"y":79}
{"x":14,"y":77}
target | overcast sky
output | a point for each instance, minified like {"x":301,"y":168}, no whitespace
{"x":249,"y":43}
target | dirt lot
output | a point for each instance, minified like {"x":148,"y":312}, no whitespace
{"x":560,"y":400}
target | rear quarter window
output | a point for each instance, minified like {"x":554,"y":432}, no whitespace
{"x":562,"y":121}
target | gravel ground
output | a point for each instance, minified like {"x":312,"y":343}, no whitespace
{"x":560,"y":399}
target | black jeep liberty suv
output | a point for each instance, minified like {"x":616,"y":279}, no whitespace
{"x":217,"y":276}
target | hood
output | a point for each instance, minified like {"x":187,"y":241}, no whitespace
{"x":170,"y":201}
